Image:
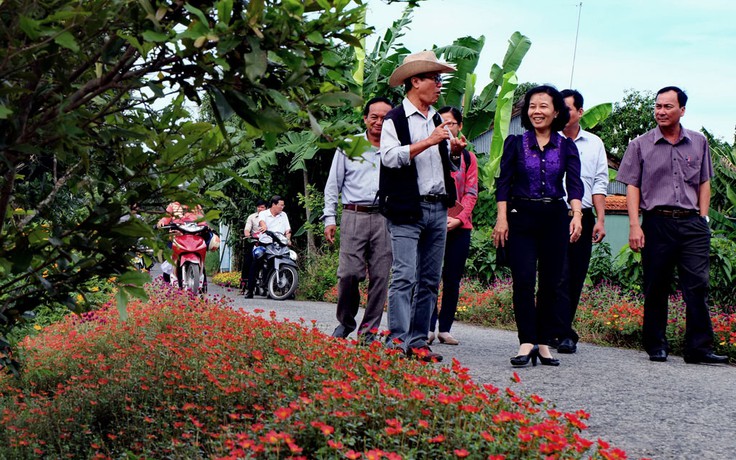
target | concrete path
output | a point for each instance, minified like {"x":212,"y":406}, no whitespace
{"x":668,"y":410}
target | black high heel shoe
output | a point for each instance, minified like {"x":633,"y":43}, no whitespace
{"x":548,"y":361}
{"x":523,"y":360}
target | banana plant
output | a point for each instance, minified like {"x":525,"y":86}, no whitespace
{"x":595,"y":115}
{"x":480,"y":113}
{"x":501,"y":122}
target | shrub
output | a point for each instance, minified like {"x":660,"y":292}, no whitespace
{"x":189,"y":378}
{"x":601,"y":264}
{"x":481,"y":263}
{"x":486,"y":305}
{"x":318,"y":274}
{"x":723,"y":274}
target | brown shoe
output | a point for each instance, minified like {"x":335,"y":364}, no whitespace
{"x":447,"y":339}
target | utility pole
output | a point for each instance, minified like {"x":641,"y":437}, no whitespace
{"x":575,"y":49}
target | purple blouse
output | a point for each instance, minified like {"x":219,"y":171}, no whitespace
{"x":529,"y":172}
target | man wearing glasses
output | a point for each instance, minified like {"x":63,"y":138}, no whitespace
{"x":415,"y":191}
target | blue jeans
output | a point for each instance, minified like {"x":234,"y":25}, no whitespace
{"x":417,"y":267}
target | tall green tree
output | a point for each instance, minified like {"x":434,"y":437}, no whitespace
{"x":631,"y":117}
{"x":94,"y":124}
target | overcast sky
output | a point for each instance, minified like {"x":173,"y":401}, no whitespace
{"x":622,"y":44}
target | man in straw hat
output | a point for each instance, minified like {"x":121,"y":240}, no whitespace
{"x":415,"y":191}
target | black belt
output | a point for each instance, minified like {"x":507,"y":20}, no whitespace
{"x":536,"y":200}
{"x":433,"y":198}
{"x":360,"y":208}
{"x":675,"y":213}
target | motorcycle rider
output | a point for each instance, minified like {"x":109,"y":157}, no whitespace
{"x":275,"y":219}
{"x":178,"y":213}
{"x":251,"y":230}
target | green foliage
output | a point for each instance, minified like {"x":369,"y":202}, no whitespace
{"x":723,"y":187}
{"x":595,"y":115}
{"x":723,"y":273}
{"x":314,"y":202}
{"x":601,"y":264}
{"x":318,"y":273}
{"x":478,"y":118}
{"x":631,"y":117}
{"x":80,"y":131}
{"x":628,"y":270}
{"x":481,"y":263}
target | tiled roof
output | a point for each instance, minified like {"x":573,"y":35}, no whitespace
{"x":616,"y":203}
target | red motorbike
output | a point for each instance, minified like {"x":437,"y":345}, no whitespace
{"x":190,"y":246}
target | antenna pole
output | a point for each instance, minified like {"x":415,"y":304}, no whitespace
{"x":575,"y":49}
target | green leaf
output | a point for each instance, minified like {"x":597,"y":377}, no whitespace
{"x":337,"y":99}
{"x":595,"y":115}
{"x":30,"y":27}
{"x":518,"y":47}
{"x":67,"y":40}
{"x":256,"y":63}
{"x":133,"y":278}
{"x":224,"y":11}
{"x":153,"y":36}
{"x":122,"y":303}
{"x":5,"y":112}
{"x":197,"y":12}
{"x":504,"y":104}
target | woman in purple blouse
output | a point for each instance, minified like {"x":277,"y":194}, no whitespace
{"x":533,"y":222}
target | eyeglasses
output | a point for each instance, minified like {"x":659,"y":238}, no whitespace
{"x":437,"y":78}
{"x":451,"y":123}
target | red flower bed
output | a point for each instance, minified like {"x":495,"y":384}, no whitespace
{"x":187,"y":378}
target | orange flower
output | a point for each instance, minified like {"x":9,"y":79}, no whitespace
{"x":282,"y":413}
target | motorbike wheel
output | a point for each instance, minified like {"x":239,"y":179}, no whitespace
{"x":189,"y":277}
{"x":282,"y":283}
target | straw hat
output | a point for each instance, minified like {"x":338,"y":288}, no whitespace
{"x":414,"y":64}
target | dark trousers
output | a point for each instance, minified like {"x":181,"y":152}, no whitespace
{"x":457,"y":247}
{"x":538,"y":238}
{"x":685,"y":244}
{"x":245,"y":266}
{"x":574,"y":272}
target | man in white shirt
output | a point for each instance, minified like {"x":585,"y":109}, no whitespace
{"x":594,"y":173}
{"x":365,"y":246}
{"x":275,"y":219}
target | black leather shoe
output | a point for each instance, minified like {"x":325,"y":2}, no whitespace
{"x":658,"y":356}
{"x":708,"y":358}
{"x":248,"y":294}
{"x":341,"y":332}
{"x":424,"y":354}
{"x":567,"y":346}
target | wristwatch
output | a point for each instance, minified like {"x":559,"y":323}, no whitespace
{"x":707,"y":219}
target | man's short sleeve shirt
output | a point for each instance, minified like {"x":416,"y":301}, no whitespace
{"x":667,"y":174}
{"x":278,"y":223}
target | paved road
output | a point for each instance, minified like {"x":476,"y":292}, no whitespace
{"x":661,"y":411}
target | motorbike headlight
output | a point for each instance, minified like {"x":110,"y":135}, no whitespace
{"x":292,"y":255}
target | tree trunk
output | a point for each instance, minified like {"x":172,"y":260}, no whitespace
{"x":311,"y":245}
